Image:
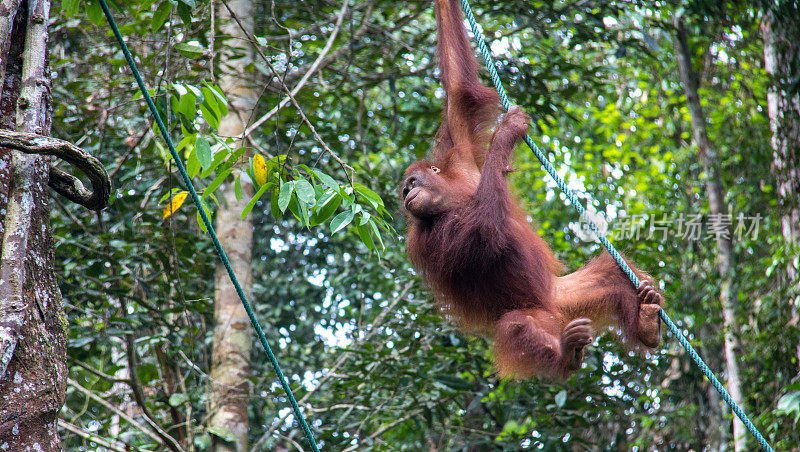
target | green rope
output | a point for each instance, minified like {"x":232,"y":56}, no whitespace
{"x":490,"y":65}
{"x":217,"y":246}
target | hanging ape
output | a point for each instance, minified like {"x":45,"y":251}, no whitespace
{"x":488,"y":268}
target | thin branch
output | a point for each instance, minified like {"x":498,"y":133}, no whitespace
{"x":132,"y":145}
{"x":116,"y":447}
{"x":138,"y":394}
{"x":339,"y":362}
{"x":211,"y":41}
{"x":115,"y":410}
{"x":297,"y":34}
{"x":291,"y":97}
{"x":385,"y":428}
{"x":311,"y":70}
{"x":197,"y":369}
{"x":339,"y":407}
{"x":97,"y":373}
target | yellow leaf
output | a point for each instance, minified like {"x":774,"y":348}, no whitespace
{"x":260,"y":169}
{"x":175,"y":203}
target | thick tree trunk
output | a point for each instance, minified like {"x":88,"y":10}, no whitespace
{"x":781,"y":33}
{"x":32,"y":324}
{"x":232,"y":336}
{"x":716,"y":203}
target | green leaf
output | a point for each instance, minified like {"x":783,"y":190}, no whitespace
{"x":203,"y":442}
{"x":369,"y":194}
{"x":325,"y":179}
{"x":789,"y":402}
{"x":211,"y":116}
{"x":377,"y":233}
{"x":200,"y":219}
{"x":95,"y":13}
{"x":203,"y":149}
{"x":219,"y":157}
{"x":160,"y":16}
{"x":216,"y":182}
{"x":237,"y":188}
{"x":234,"y":157}
{"x":305,"y":191}
{"x":185,"y":105}
{"x":185,"y":13}
{"x":326,"y":207}
{"x":70,"y":7}
{"x":299,"y":210}
{"x":192,"y":51}
{"x":285,"y":195}
{"x":216,"y":95}
{"x":341,"y":220}
{"x":254,"y":200}
{"x":363,"y":234}
{"x":223,"y":433}
{"x":273,"y":206}
{"x":193,"y":164}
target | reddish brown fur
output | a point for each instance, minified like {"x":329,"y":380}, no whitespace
{"x":488,"y":268}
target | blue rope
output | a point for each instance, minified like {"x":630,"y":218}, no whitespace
{"x":498,"y":84}
{"x":210,"y":228}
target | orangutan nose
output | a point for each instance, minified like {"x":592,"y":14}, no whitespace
{"x":408,"y":185}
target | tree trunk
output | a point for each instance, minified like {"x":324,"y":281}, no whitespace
{"x":781,"y":33}
{"x":716,"y":203}
{"x":232,"y":336}
{"x":33,"y":345}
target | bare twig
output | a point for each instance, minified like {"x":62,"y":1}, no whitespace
{"x":132,"y":145}
{"x":115,"y":446}
{"x":115,"y":410}
{"x":292,"y":99}
{"x":339,"y":362}
{"x":311,"y":70}
{"x":386,"y":427}
{"x":138,"y":394}
{"x":211,"y":41}
{"x":97,"y":373}
{"x":297,"y":34}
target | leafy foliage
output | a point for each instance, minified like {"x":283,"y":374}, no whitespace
{"x":372,"y":363}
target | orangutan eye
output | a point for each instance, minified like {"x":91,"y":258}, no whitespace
{"x":435,"y":169}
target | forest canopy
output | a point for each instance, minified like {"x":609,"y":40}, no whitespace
{"x":295,"y":125}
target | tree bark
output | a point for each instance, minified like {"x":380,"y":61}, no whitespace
{"x":716,"y":203}
{"x":780,"y":30}
{"x":232,"y":337}
{"x":32,"y":323}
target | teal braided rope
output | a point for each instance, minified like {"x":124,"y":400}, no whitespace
{"x":210,"y":228}
{"x":498,"y":84}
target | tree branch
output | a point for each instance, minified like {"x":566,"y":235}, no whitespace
{"x":291,"y":97}
{"x":115,"y":410}
{"x":116,"y":447}
{"x":314,"y":66}
{"x":65,"y":184}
